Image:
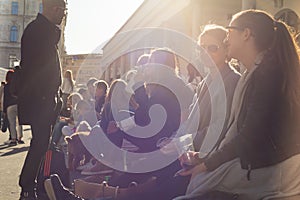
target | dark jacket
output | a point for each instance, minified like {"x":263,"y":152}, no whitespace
{"x":99,"y":103}
{"x":107,"y":115}
{"x":230,"y":79}
{"x":40,"y":74}
{"x":8,"y":99}
{"x":268,"y":130}
{"x":171,"y":104}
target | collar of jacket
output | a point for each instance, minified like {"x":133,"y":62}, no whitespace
{"x":50,"y":28}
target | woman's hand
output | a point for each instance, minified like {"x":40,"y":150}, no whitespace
{"x":194,"y":171}
{"x":191,"y":164}
{"x":190,"y":158}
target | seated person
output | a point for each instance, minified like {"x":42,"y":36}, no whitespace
{"x":66,"y":117}
{"x":260,"y":154}
{"x":100,"y":96}
{"x":84,"y":113}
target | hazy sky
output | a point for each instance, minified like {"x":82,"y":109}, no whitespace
{"x":92,"y":22}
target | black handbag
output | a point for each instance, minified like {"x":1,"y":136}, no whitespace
{"x":4,"y":124}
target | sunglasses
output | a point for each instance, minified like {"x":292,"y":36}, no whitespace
{"x":238,"y":29}
{"x":234,"y":28}
{"x":211,"y":48}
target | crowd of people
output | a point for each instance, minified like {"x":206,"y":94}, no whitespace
{"x":257,"y":151}
{"x":254,"y":155}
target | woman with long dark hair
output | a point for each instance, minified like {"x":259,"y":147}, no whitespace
{"x":259,"y":156}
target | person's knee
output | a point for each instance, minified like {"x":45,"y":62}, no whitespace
{"x":40,"y":144}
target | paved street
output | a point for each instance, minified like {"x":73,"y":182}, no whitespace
{"x":11,"y":161}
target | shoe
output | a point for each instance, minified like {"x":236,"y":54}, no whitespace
{"x":12,"y":143}
{"x":56,"y":190}
{"x":90,"y":190}
{"x":98,"y":168}
{"x":21,"y":142}
{"x":7,"y":141}
{"x":27,"y":196}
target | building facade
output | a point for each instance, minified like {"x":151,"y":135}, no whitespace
{"x":186,"y":17}
{"x":15,"y":15}
{"x":83,"y":67}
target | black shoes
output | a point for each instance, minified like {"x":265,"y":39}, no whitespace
{"x":12,"y":143}
{"x":21,"y":141}
{"x":56,"y":190}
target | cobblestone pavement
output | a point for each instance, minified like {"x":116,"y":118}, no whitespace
{"x":11,"y":162}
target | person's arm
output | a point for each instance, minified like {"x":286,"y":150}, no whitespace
{"x":257,"y":113}
{"x":63,"y":85}
{"x":200,"y":168}
{"x":5,"y":99}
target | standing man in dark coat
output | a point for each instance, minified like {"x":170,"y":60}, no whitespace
{"x":38,"y":90}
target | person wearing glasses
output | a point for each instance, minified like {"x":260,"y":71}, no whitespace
{"x":259,"y":156}
{"x":40,"y":74}
{"x":212,"y":41}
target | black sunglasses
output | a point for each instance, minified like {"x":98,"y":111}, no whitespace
{"x":235,"y":28}
{"x":211,"y":48}
{"x":238,"y":29}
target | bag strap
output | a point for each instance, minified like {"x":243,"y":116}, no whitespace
{"x":47,"y":163}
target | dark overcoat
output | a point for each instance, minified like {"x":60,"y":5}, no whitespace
{"x":39,"y":78}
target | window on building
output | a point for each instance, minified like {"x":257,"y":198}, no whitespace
{"x":40,"y":8}
{"x":13,"y":34}
{"x":14,"y":8}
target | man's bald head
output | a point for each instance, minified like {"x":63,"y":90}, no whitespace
{"x":51,"y":3}
{"x":54,"y":10}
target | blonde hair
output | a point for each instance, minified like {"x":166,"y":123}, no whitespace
{"x":216,"y":31}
